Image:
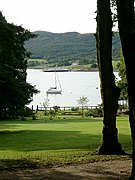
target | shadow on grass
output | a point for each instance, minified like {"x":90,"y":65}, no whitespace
{"x":28,"y":136}
{"x":39,"y":140}
{"x":36,"y":140}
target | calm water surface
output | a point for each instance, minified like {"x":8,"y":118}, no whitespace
{"x":74,"y":85}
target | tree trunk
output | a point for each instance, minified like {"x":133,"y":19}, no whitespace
{"x":109,"y":91}
{"x":126,"y":20}
{"x":132,"y":126}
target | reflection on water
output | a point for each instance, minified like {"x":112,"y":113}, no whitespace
{"x":74,"y":85}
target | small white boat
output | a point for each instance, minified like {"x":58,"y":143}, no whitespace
{"x":56,"y":70}
{"x":53,"y":90}
{"x":57,"y":88}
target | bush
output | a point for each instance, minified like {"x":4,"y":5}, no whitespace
{"x":52,"y":114}
{"x":25,"y":112}
{"x":98,"y":113}
{"x":89,"y":113}
{"x":94,"y":112}
{"x":74,"y":109}
{"x":56,"y":108}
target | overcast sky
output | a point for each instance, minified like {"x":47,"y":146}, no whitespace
{"x":51,"y":15}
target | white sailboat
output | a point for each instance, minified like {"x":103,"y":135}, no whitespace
{"x":57,"y":88}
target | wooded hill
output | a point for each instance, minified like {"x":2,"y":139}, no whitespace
{"x":66,"y":48}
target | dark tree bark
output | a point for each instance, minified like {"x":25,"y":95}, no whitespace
{"x":126,"y":21}
{"x":109,"y":91}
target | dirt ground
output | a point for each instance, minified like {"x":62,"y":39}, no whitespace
{"x":107,"y":170}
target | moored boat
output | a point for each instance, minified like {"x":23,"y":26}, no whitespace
{"x":57,"y":88}
{"x":56,"y":70}
{"x":53,"y":90}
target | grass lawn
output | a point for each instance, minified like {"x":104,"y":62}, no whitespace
{"x":33,"y":143}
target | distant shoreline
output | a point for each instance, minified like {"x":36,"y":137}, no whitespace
{"x":70,"y":70}
{"x":73,"y":70}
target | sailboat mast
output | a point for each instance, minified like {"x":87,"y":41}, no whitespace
{"x":54,"y":90}
{"x":55,"y":80}
{"x":59,"y":81}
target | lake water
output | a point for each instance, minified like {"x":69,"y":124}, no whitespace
{"x":74,"y":85}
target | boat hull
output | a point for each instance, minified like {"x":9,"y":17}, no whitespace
{"x":55,"y":70}
{"x":54,"y":92}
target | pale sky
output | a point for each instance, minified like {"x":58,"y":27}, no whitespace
{"x":56,"y":16}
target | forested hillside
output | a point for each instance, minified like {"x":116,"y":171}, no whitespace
{"x":66,"y":48}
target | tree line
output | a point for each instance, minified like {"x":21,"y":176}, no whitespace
{"x":63,"y":49}
{"x":15,"y":92}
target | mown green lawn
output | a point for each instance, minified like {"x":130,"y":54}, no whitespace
{"x":58,"y":141}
